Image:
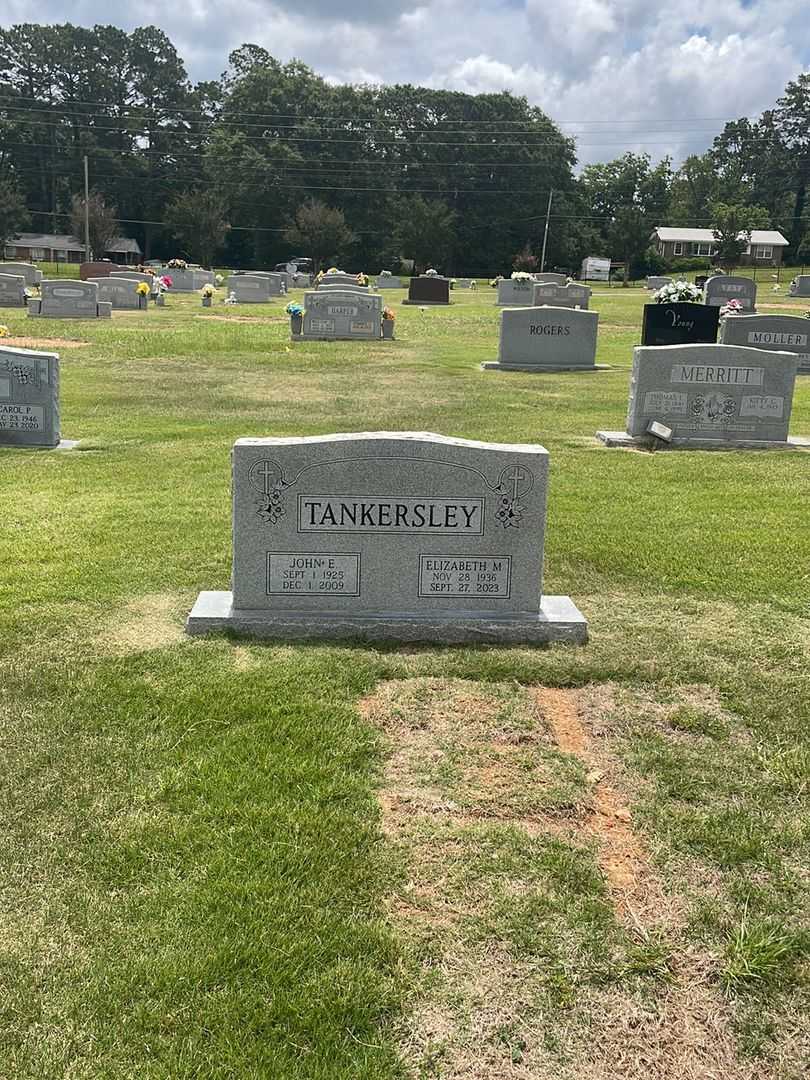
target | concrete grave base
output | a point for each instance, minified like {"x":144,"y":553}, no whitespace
{"x":540,"y":369}
{"x":559,"y":620}
{"x":323,"y":337}
{"x":645,"y":442}
{"x":427,"y":303}
{"x":63,"y":444}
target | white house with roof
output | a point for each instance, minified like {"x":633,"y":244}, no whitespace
{"x":51,"y":247}
{"x":765,"y":248}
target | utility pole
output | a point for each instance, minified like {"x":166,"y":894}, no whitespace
{"x":545,"y":233}
{"x":87,"y":253}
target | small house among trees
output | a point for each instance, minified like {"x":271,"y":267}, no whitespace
{"x":48,"y":247}
{"x":765,"y":248}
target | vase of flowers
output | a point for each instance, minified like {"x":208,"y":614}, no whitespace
{"x":731,"y":307}
{"x":177,"y":264}
{"x":207,"y":293}
{"x":296,"y":313}
{"x":142,"y":289}
{"x":388,"y":317}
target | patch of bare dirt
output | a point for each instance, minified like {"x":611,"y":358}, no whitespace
{"x":42,"y":343}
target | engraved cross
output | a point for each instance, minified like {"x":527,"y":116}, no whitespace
{"x":517,"y":475}
{"x":266,"y":473}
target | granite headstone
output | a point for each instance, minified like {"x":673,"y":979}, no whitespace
{"x":341,"y":315}
{"x":28,"y":271}
{"x":12,"y":290}
{"x":726,"y":393}
{"x":679,"y":324}
{"x":69,"y":300}
{"x":515,"y":292}
{"x":784,"y":333}
{"x":547,"y":339}
{"x":29,"y":398}
{"x":251,"y":288}
{"x":389,"y":536}
{"x":428,"y":289}
{"x":800,"y":286}
{"x":721,"y":288}
{"x":571,"y":295}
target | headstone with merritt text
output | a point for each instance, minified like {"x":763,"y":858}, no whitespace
{"x":710,"y":395}
{"x":402,"y":536}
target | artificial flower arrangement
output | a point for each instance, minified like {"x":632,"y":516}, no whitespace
{"x":389,"y":313}
{"x":319,"y":277}
{"x":678,"y":292}
{"x":807,"y":314}
{"x":218,"y":278}
{"x":493,"y":282}
{"x":731,"y":307}
{"x":333,"y":270}
{"x":522,"y":275}
{"x":385,"y":273}
{"x":4,"y":331}
{"x":177,"y":264}
{"x":142,"y":289}
{"x":230,"y":299}
{"x":431,"y":272}
{"x":362,"y":279}
{"x":164,"y":283}
{"x":207,"y":290}
{"x":294,"y":309}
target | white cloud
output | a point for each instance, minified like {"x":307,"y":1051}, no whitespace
{"x":628,"y":67}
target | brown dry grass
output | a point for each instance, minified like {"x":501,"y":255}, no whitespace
{"x":153,"y":621}
{"x":42,"y":343}
{"x":482,"y":1010}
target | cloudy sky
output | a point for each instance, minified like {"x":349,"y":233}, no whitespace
{"x":618,"y":74}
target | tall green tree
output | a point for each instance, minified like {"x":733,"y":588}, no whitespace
{"x":199,"y":221}
{"x":320,"y":232}
{"x":102,"y":222}
{"x":13,"y":215}
{"x":424,"y":230}
{"x":629,"y":197}
{"x":732,"y":225}
{"x":792,"y":121}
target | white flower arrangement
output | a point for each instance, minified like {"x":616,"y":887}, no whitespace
{"x":218,"y":278}
{"x":521,"y":275}
{"x":385,"y":273}
{"x":431,"y":273}
{"x":678,"y":292}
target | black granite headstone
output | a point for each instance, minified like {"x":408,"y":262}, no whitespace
{"x":428,"y":290}
{"x":701,"y":280}
{"x":679,"y":324}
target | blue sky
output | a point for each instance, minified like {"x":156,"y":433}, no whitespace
{"x":618,"y":74}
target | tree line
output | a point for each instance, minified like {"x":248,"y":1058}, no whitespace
{"x":271,"y":161}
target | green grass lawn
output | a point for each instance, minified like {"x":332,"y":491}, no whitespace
{"x":196,"y":876}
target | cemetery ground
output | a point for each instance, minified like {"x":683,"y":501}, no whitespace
{"x":224,"y":858}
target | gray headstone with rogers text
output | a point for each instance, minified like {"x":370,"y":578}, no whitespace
{"x":721,"y":288}
{"x":341,"y":315}
{"x":389,"y":535}
{"x":728,"y":393}
{"x":570,"y":295}
{"x":783,"y":333}
{"x":29,"y":398}
{"x":515,"y":292}
{"x":547,"y":339}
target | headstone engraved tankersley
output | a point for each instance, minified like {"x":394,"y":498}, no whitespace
{"x":783,"y":333}
{"x":341,"y":315}
{"x":721,"y":288}
{"x":29,"y":398}
{"x":403,"y":536}
{"x":710,"y":396}
{"x":679,"y":324}
{"x":69,"y":300}
{"x":428,"y":289}
{"x":515,"y":292}
{"x":12,"y":290}
{"x":547,"y":339}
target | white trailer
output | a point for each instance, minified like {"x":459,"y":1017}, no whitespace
{"x":594,"y":269}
